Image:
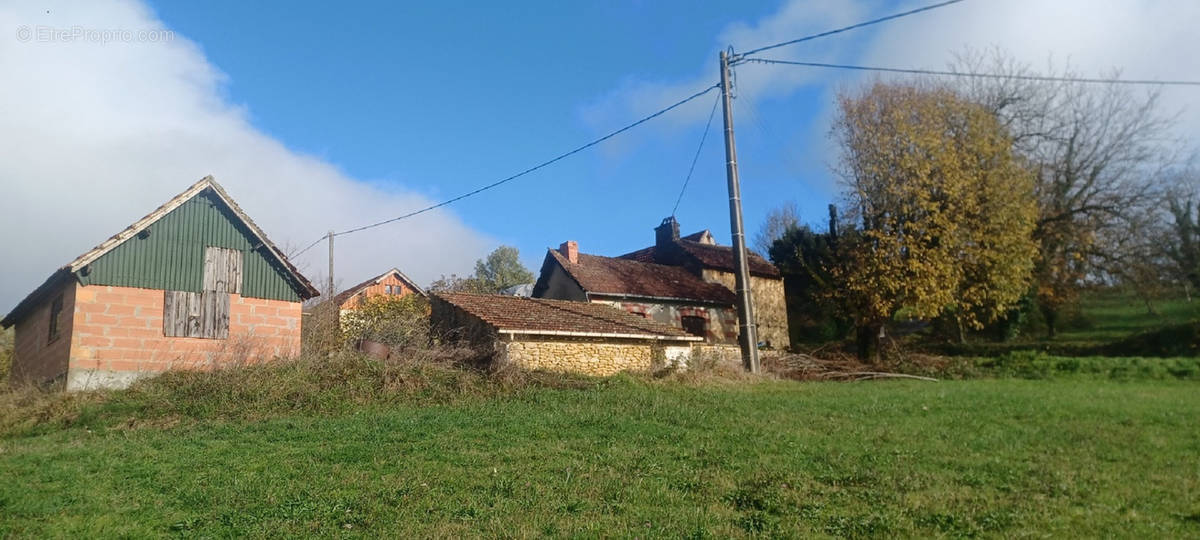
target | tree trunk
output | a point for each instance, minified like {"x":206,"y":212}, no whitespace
{"x":867,"y":339}
{"x":962,"y":332}
{"x":1051,"y":315}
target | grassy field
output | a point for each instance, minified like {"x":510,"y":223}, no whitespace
{"x":632,"y":457}
{"x":1112,"y":315}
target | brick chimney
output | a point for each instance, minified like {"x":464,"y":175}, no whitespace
{"x":667,"y":233}
{"x":570,"y":250}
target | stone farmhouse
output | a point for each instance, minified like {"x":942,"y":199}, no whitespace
{"x":683,"y":282}
{"x":558,"y":335}
{"x":193,"y":285}
{"x":390,"y":283}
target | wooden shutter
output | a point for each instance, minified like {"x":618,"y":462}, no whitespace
{"x":222,"y":270}
{"x":198,"y":315}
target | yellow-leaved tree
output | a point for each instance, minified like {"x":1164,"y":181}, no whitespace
{"x":942,"y":212}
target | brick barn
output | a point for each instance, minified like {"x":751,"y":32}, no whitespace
{"x":193,"y":285}
{"x":557,"y":335}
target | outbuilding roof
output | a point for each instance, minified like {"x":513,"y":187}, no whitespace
{"x":348,"y":293}
{"x":302,"y":285}
{"x":540,"y":316}
{"x":611,"y":276}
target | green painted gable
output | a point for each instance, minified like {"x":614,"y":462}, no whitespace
{"x":171,"y":256}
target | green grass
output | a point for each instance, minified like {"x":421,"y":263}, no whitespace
{"x":631,"y":457}
{"x":1110,"y":315}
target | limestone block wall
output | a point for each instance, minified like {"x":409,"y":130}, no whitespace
{"x":770,"y":307}
{"x":591,"y":357}
{"x":36,"y":358}
{"x":118,"y":336}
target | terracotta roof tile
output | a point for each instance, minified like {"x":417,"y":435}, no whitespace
{"x":542,"y":315}
{"x":716,"y":257}
{"x":623,"y":277}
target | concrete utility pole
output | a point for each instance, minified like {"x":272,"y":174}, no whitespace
{"x":330,"y":237}
{"x":747,"y":329}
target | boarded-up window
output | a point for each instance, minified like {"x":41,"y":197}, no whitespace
{"x":205,"y":314}
{"x":198,"y":315}
{"x":222,"y":270}
{"x":56,"y":308}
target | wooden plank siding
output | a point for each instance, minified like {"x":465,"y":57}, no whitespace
{"x":171,"y":253}
{"x":222,"y":270}
{"x":205,"y":314}
{"x":196,"y":315}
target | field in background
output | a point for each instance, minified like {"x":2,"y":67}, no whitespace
{"x":636,"y":457}
{"x":1110,"y":315}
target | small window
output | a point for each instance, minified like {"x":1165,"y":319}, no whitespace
{"x":695,"y":326}
{"x":55,"y":314}
{"x":387,"y":289}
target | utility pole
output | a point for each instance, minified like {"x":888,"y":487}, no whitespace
{"x":747,"y":330}
{"x":330,"y":237}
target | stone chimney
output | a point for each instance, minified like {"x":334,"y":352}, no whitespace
{"x":667,"y":233}
{"x":570,"y":250}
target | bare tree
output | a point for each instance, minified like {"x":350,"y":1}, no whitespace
{"x":1095,"y":149}
{"x":779,"y":221}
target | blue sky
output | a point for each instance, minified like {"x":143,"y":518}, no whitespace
{"x":442,"y":99}
{"x":318,"y":117}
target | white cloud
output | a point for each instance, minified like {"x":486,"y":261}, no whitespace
{"x":95,"y":135}
{"x":637,"y":97}
{"x":1145,"y":39}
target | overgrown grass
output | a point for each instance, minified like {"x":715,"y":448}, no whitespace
{"x":341,"y":383}
{"x":624,"y":457}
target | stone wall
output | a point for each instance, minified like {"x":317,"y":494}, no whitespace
{"x":770,"y":307}
{"x":118,"y":336}
{"x":589,"y":356}
{"x":36,"y":358}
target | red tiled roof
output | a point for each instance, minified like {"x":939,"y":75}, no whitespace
{"x":711,"y":256}
{"x":623,"y":277}
{"x":540,"y":315}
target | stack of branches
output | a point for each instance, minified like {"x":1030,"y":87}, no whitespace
{"x":830,"y":366}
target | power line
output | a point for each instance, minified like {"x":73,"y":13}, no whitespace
{"x":697,"y":156}
{"x":310,"y":246}
{"x":742,"y":57}
{"x":524,"y":172}
{"x":535,"y":167}
{"x":973,"y":74}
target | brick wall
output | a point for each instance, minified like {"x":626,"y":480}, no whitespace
{"x":399,"y":288}
{"x":36,"y":359}
{"x":118,"y":336}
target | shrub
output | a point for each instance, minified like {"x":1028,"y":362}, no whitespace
{"x":396,"y":321}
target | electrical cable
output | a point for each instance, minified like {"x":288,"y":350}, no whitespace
{"x":524,"y":172}
{"x":696,"y":158}
{"x":742,"y":57}
{"x":535,"y":167}
{"x":975,"y":75}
